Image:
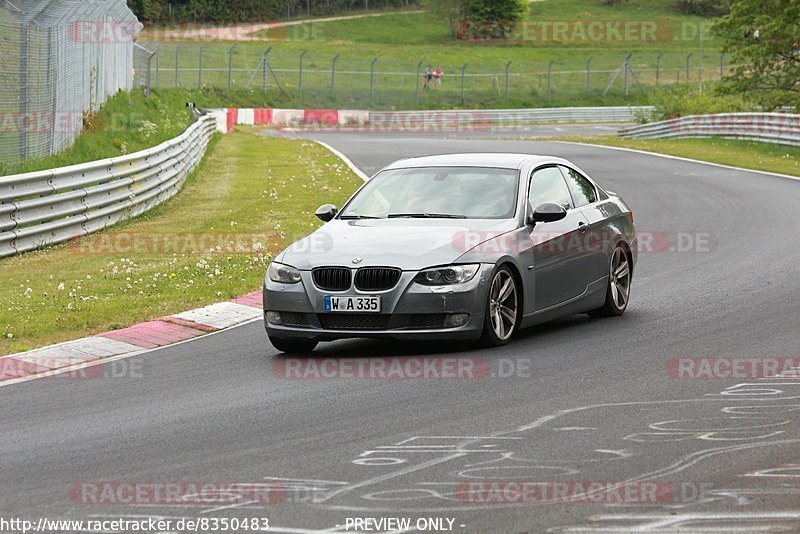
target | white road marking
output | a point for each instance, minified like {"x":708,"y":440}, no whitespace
{"x":346,"y":160}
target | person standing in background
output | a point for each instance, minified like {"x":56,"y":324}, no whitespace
{"x":437,"y":75}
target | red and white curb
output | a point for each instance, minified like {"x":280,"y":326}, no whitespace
{"x":227,"y":118}
{"x":116,"y":344}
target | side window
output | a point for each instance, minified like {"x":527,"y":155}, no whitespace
{"x":582,"y":189}
{"x":548,"y":185}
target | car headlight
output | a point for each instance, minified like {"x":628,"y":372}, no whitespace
{"x":284,"y":274}
{"x":452,"y":274}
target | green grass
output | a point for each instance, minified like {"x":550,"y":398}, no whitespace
{"x":745,"y":154}
{"x":401,"y":41}
{"x":251,"y":190}
{"x":126,"y":123}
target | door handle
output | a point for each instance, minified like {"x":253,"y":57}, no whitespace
{"x":582,"y":226}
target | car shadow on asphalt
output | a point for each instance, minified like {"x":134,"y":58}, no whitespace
{"x":565,"y":328}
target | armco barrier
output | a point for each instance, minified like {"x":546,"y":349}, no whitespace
{"x":46,"y":207}
{"x":778,"y":128}
{"x":442,"y":119}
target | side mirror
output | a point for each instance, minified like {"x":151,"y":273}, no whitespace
{"x":547,"y":212}
{"x":326,"y":212}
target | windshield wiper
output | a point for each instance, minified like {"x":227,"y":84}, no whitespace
{"x":426,"y":216}
{"x":347,"y":217}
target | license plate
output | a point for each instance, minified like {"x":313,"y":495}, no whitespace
{"x":352,"y":304}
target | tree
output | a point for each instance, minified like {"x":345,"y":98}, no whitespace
{"x":454,"y":12}
{"x":478,"y":19}
{"x":763,"y":36}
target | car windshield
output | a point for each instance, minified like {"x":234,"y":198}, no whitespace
{"x":437,"y":192}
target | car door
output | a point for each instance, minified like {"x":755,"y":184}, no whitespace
{"x":561,"y":265}
{"x":586,"y":198}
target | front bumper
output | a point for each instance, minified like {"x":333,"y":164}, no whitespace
{"x":408,"y":311}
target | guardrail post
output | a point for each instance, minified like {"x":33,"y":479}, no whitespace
{"x":230,"y":65}
{"x":658,"y":66}
{"x":550,"y":80}
{"x":588,"y":74}
{"x":463,"y":70}
{"x":333,"y":75}
{"x":688,"y":61}
{"x":177,"y":58}
{"x":300,"y":74}
{"x":507,"y":67}
{"x":372,"y":80}
{"x":419,"y":67}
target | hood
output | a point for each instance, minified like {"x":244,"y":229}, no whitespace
{"x":410,"y":244}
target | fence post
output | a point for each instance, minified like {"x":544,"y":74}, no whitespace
{"x":177,"y":58}
{"x":265,"y":63}
{"x":230,"y":65}
{"x":463,"y":69}
{"x":149,"y":74}
{"x":721,"y":65}
{"x":158,"y":55}
{"x":549,"y":80}
{"x":688,"y":60}
{"x":627,"y":69}
{"x":23,"y":88}
{"x":300,"y":74}
{"x":658,"y":66}
{"x":419,"y":67}
{"x":507,"y":67}
{"x":588,"y":74}
{"x":333,"y":75}
{"x":200,"y":70}
{"x":372,"y":79}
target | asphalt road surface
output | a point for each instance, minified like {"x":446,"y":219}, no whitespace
{"x":576,"y":402}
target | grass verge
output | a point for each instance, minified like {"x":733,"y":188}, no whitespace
{"x":744,"y":154}
{"x":209,"y":243}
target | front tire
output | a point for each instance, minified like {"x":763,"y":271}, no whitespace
{"x":293,"y":346}
{"x":618,"y":289}
{"x":502,"y":309}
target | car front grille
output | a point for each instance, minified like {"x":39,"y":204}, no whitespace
{"x":377,"y":278}
{"x":332,"y":278}
{"x":354,"y":321}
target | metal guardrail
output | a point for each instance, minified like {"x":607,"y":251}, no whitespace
{"x":778,"y":128}
{"x":513,"y":116}
{"x":46,"y":207}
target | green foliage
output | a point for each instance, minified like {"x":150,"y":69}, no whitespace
{"x":680,"y":101}
{"x":704,"y":8}
{"x":763,"y":37}
{"x":249,"y":10}
{"x":479,"y":19}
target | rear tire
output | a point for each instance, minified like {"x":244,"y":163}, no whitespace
{"x":618,"y":288}
{"x":501,"y":314}
{"x":292,"y":346}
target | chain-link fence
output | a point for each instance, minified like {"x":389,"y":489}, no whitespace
{"x":356,"y":81}
{"x":59,"y":60}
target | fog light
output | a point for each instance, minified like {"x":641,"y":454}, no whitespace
{"x":274,"y":317}
{"x":456,"y":319}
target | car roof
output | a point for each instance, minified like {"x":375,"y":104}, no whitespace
{"x":485,"y":159}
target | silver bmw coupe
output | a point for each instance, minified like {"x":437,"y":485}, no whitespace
{"x":459,"y":246}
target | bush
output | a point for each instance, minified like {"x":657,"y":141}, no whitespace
{"x":674,"y":102}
